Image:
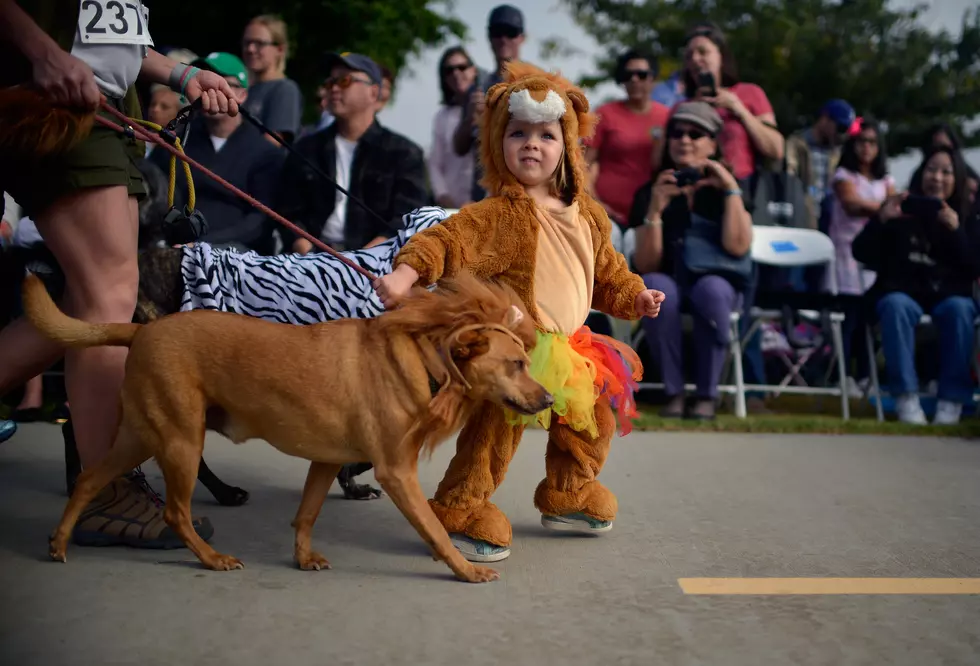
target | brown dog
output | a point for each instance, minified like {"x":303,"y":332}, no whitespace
{"x":345,"y":391}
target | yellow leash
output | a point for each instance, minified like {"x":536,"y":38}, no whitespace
{"x":191,"y":198}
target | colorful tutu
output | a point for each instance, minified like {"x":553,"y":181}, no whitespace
{"x":577,"y":370}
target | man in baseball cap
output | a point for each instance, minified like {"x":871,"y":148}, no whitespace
{"x":355,"y":62}
{"x":812,"y":153}
{"x":226,"y":64}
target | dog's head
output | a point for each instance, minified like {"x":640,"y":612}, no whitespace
{"x":495,"y":366}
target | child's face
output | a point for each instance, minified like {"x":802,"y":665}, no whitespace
{"x":532,"y":151}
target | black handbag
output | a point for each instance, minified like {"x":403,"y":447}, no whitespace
{"x":703,"y":253}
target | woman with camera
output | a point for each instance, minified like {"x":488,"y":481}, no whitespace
{"x":924,"y":248}
{"x":693,"y":237}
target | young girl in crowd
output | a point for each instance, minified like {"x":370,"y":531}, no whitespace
{"x":861,"y":184}
{"x":541,"y":234}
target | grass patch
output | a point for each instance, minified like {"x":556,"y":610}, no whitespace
{"x":804,"y":424}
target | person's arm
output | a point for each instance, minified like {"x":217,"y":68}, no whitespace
{"x":867,"y":247}
{"x":63,"y":77}
{"x":465,"y":135}
{"x":213,"y":90}
{"x":736,"y":223}
{"x":646,"y":215}
{"x":757,"y":117}
{"x":436,"y":163}
{"x":852,"y":204}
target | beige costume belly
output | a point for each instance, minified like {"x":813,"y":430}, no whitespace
{"x":564,"y":269}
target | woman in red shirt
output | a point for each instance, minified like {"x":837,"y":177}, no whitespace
{"x":623,"y":152}
{"x":749,"y":133}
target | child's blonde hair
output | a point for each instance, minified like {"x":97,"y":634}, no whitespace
{"x":280,"y":37}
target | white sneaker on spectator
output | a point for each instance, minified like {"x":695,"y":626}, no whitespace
{"x":947,"y":413}
{"x":909,"y":410}
{"x":854,"y":389}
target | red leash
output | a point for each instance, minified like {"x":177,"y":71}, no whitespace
{"x":146,"y":135}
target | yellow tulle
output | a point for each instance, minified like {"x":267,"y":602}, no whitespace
{"x":570,"y":378}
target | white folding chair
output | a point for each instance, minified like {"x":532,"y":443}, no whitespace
{"x":734,"y":354}
{"x":788,"y":247}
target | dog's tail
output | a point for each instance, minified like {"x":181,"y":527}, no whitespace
{"x":54,"y":324}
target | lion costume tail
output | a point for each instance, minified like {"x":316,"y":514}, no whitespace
{"x":42,"y":312}
{"x":32,"y":127}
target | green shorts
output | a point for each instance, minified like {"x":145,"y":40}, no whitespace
{"x":104,"y":158}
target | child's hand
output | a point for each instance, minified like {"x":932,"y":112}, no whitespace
{"x":648,"y":302}
{"x":393,"y":287}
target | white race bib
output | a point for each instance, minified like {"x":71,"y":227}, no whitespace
{"x":114,"y":22}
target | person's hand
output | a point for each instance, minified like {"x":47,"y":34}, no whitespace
{"x":726,"y":99}
{"x":717,"y":176}
{"x":948,"y":217}
{"x":302,"y":246}
{"x":215,"y":93}
{"x":66,"y":79}
{"x":478,"y":103}
{"x":892,"y":207}
{"x":648,"y":302}
{"x":393,"y":287}
{"x":664,"y":189}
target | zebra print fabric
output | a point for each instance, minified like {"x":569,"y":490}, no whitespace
{"x":291,"y":288}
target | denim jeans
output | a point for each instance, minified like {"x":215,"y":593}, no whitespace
{"x":953,"y":317}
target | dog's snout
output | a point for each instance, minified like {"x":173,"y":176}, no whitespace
{"x":548,"y":400}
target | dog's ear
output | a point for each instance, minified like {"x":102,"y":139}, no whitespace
{"x":514,"y":317}
{"x":469,"y":345}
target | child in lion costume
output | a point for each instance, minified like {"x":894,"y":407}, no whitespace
{"x":542,"y":234}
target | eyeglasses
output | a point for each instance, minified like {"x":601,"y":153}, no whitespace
{"x":449,"y":69}
{"x":630,"y":74}
{"x":866,"y":140}
{"x":498,"y":31}
{"x":693,"y":134}
{"x":257,"y":43}
{"x":344,"y":82}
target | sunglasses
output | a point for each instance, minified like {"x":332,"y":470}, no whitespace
{"x":630,"y":74}
{"x":693,"y":134}
{"x":498,"y":31}
{"x":449,"y":69}
{"x":257,"y":43}
{"x":344,"y":82}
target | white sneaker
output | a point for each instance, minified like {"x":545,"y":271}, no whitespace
{"x":909,"y":410}
{"x":947,"y":413}
{"x":853,"y":388}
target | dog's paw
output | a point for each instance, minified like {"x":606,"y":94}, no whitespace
{"x":224,"y":563}
{"x":480,"y":575}
{"x":56,"y":551}
{"x":312,"y":562}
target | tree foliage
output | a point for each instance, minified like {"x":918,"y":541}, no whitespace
{"x":884,"y":61}
{"x":386,"y":30}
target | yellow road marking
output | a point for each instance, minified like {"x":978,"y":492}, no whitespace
{"x":782,"y":586}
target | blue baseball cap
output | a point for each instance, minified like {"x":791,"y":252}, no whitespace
{"x":354,"y":61}
{"x":840,"y":112}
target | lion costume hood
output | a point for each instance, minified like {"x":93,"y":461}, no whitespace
{"x":534,"y":95}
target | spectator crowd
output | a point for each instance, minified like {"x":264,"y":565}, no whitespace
{"x":684,"y":167}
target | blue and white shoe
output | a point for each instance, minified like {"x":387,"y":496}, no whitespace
{"x":7,"y":429}
{"x":475,"y":550}
{"x":576,"y":522}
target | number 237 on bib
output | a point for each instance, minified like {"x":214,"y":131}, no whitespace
{"x":114,"y":22}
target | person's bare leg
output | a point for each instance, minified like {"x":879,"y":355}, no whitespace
{"x":24,"y":353}
{"x":93,"y":235}
{"x":33,"y":394}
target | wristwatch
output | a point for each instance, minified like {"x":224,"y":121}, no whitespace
{"x":737,"y":192}
{"x":655,"y":222}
